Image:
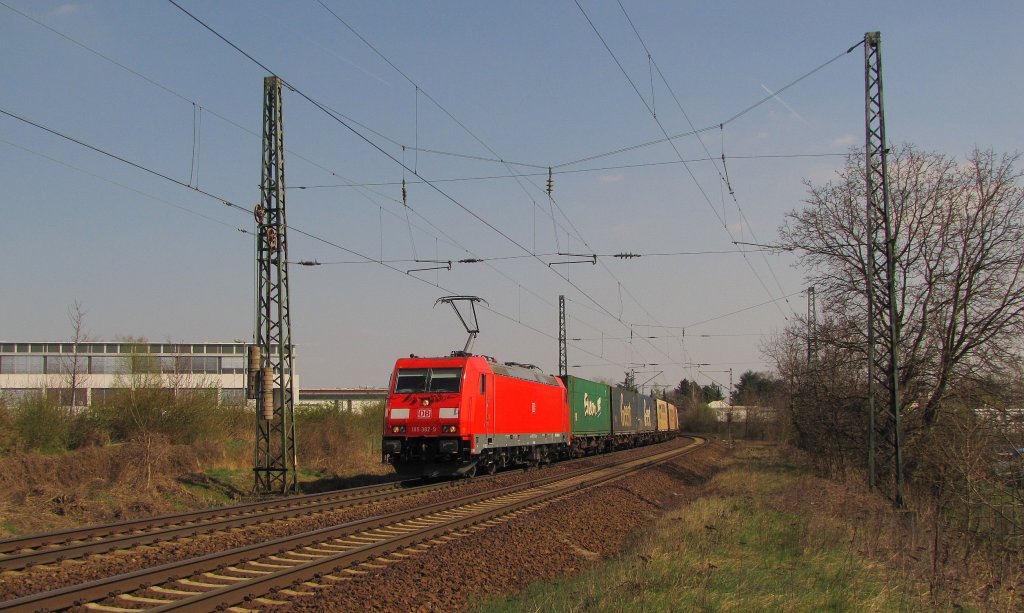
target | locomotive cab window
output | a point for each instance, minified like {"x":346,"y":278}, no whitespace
{"x":411,"y":380}
{"x":445,"y":379}
{"x":422,"y":380}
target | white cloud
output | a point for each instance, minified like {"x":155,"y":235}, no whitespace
{"x":845,"y":141}
{"x":65,"y":10}
{"x":737,"y":228}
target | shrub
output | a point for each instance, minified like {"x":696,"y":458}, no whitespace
{"x":334,"y":441}
{"x":183,"y":416}
{"x":700,"y":418}
{"x":7,"y":435}
{"x":41,"y":425}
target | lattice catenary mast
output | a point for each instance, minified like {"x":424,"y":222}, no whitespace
{"x":563,"y":355}
{"x":878,"y":214}
{"x":271,"y":359}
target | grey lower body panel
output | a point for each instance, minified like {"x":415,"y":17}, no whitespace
{"x":498,"y":441}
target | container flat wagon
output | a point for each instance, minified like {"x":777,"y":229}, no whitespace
{"x":590,"y":415}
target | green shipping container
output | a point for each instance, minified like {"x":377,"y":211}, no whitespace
{"x":590,"y":407}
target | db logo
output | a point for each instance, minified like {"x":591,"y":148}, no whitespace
{"x":423,"y":413}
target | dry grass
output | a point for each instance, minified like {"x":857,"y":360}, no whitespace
{"x":100,"y":484}
{"x":765,"y":534}
{"x":147,"y":475}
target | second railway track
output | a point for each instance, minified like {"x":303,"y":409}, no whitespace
{"x":299,"y":563}
{"x":21,"y":552}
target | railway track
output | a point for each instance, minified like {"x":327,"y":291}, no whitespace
{"x":265,"y":574}
{"x":30,"y":550}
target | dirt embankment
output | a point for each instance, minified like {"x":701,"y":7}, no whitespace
{"x":95,"y":485}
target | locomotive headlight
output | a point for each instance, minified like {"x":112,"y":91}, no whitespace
{"x":425,"y":402}
{"x":398,"y":429}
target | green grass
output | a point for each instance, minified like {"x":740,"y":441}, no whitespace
{"x":223,"y":486}
{"x":729,"y":551}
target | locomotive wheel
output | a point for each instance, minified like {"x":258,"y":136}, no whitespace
{"x":471,"y":472}
{"x":490,"y":468}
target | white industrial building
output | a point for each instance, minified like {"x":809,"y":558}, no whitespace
{"x":96,"y":369}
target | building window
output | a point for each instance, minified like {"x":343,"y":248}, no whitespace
{"x":197,"y":364}
{"x":104,"y":394}
{"x":14,"y":395}
{"x":232,"y":396}
{"x":21,"y":364}
{"x":208,"y":364}
{"x":63,"y":397}
{"x":232,"y":366}
{"x":106,"y":365}
{"x":66,"y":364}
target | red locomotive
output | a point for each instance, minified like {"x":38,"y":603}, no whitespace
{"x":458,"y":414}
{"x":462,"y":413}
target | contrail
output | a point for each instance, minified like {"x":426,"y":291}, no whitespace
{"x":781,"y":101}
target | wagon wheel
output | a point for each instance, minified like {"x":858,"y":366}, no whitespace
{"x":470,"y":472}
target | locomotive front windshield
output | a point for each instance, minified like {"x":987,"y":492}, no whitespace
{"x":423,"y":380}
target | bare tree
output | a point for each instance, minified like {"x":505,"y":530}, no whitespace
{"x":823,"y":398}
{"x":959,"y":243}
{"x":74,"y":370}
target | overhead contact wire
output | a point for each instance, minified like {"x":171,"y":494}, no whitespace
{"x":363,"y":137}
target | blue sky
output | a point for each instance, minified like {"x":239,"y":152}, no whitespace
{"x":530,"y":83}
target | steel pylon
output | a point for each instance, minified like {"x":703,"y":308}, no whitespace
{"x":275,"y":462}
{"x":881,"y":280}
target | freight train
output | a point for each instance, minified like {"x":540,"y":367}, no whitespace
{"x":457,"y":415}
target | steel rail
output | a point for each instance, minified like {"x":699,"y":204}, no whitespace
{"x":43,"y":548}
{"x":79,"y":595}
{"x":75,"y":543}
{"x":243,"y":593}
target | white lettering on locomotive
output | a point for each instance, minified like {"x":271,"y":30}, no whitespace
{"x":422,"y":413}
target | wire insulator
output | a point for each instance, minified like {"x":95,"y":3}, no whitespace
{"x":405,"y":194}
{"x":272,"y":239}
{"x":551,"y":182}
{"x":258,"y":213}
